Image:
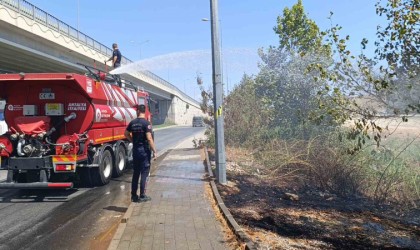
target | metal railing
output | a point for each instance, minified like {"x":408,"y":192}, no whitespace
{"x":31,"y":11}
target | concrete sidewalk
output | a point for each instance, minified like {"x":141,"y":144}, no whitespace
{"x":179,"y":216}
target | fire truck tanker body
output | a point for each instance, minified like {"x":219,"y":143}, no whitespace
{"x":63,"y":123}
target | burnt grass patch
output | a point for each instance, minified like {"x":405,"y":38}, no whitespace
{"x":339,"y":222}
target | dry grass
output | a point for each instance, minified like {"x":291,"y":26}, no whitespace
{"x":386,"y":173}
{"x":268,"y":240}
{"x":230,"y":237}
{"x":400,"y":129}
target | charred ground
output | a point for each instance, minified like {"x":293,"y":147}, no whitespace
{"x":280,"y":214}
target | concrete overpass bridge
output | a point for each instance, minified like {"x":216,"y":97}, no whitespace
{"x":32,"y":40}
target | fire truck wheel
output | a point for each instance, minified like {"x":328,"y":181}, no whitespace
{"x":103,"y":173}
{"x":120,"y":161}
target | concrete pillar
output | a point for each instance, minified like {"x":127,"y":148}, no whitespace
{"x":171,"y":109}
{"x":166,"y":105}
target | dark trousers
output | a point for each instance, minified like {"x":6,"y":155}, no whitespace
{"x":141,"y":167}
{"x":117,"y":77}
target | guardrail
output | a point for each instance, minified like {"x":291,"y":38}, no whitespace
{"x":31,"y":11}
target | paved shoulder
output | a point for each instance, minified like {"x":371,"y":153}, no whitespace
{"x":179,"y":216}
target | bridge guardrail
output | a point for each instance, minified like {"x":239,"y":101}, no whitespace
{"x":31,"y":11}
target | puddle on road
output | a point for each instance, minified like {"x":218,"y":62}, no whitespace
{"x":171,"y":194}
{"x":182,"y":157}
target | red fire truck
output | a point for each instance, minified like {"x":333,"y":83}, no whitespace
{"x":63,"y":126}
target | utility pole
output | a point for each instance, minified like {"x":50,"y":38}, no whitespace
{"x":218,"y":95}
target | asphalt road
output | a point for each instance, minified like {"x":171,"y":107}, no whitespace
{"x":73,"y":219}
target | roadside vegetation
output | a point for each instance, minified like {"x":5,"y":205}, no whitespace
{"x":320,"y":122}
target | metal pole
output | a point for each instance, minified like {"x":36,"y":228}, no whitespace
{"x":217,"y":95}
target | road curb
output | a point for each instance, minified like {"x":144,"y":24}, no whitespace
{"x":171,"y":126}
{"x":124,"y":220}
{"x":241,"y":234}
{"x":118,"y":235}
{"x":121,"y":227}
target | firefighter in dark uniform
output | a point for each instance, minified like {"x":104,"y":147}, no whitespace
{"x":116,"y":61}
{"x":139,"y":132}
{"x":116,"y":56}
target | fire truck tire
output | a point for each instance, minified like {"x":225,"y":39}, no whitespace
{"x":103,"y":173}
{"x":120,"y":161}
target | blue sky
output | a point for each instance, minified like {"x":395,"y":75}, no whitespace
{"x":172,"y":26}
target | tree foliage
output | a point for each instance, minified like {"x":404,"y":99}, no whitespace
{"x":296,"y":31}
{"x":300,"y":87}
{"x":286,"y":91}
{"x":363,"y":89}
{"x":244,"y":117}
{"x":206,"y":104}
{"x":207,"y":107}
{"x":399,"y":41}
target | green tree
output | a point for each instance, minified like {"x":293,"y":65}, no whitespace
{"x":286,"y":91}
{"x":399,"y":42}
{"x":365,"y":89}
{"x":296,"y":31}
{"x":399,"y":45}
{"x":244,"y":118}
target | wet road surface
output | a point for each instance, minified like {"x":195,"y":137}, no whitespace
{"x":72,"y":219}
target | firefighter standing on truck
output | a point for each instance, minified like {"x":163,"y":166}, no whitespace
{"x":139,"y":132}
{"x":116,"y":56}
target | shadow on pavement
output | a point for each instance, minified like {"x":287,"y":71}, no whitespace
{"x":116,"y":209}
{"x":36,"y":195}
